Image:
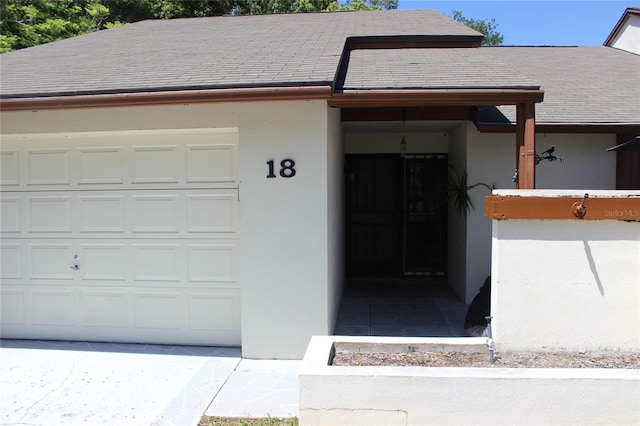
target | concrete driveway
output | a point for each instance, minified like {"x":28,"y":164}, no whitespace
{"x":79,"y":383}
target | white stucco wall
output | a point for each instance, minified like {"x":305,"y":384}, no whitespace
{"x":285,"y":245}
{"x":456,"y":223}
{"x":491,"y":159}
{"x":628,"y":37}
{"x":566,"y":284}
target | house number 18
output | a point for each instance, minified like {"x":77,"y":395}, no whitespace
{"x":286,"y":168}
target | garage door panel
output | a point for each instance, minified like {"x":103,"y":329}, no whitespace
{"x":103,"y":262}
{"x":101,"y":165}
{"x":212,"y":212}
{"x":11,"y":214}
{"x":211,"y":163}
{"x":49,"y":214}
{"x":197,"y":213}
{"x":11,"y":261}
{"x":145,"y":263}
{"x":118,"y":313}
{"x":48,"y":166}
{"x":101,"y":214}
{"x":104,"y":308}
{"x":155,"y":164}
{"x":51,"y":262}
{"x":213,"y":263}
{"x":9,"y":167}
{"x":159,"y":309}
{"x":53,"y":307}
{"x":12,"y":307}
{"x":156,"y":213}
{"x":214,"y":311}
{"x":157,"y":262}
{"x":117,"y":160}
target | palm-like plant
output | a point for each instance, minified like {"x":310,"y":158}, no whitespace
{"x":459,"y":191}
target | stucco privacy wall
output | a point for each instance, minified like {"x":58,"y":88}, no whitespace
{"x":284,"y":240}
{"x":490,"y":158}
{"x":566,"y":284}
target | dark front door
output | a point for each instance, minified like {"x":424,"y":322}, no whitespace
{"x":396,"y":214}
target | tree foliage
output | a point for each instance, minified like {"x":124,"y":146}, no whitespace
{"x":25,"y":23}
{"x":487,"y":27}
{"x":126,"y":11}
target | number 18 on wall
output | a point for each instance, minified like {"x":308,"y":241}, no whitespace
{"x":287,"y":169}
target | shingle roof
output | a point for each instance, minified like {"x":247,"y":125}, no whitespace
{"x":235,"y":51}
{"x":581,"y":84}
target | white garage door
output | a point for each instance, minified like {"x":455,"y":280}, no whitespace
{"x":121,"y":236}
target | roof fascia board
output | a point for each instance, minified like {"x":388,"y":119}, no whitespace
{"x":409,"y":42}
{"x":167,"y":97}
{"x":433,"y":97}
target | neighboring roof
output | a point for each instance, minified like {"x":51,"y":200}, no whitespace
{"x":594,"y":85}
{"x":200,"y":53}
{"x":630,"y":11}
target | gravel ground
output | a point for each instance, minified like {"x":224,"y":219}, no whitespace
{"x":502,"y":360}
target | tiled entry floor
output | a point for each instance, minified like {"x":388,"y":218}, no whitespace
{"x":413,"y":306}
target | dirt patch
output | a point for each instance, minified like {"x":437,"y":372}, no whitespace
{"x":502,"y":360}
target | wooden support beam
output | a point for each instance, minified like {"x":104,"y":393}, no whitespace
{"x":526,"y":145}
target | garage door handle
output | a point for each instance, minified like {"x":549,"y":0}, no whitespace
{"x":76,"y":267}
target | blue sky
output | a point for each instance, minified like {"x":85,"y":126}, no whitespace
{"x":546,"y":22}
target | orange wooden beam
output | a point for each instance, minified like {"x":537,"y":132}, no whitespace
{"x":501,"y":207}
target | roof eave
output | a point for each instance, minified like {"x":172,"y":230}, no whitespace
{"x":252,"y":94}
